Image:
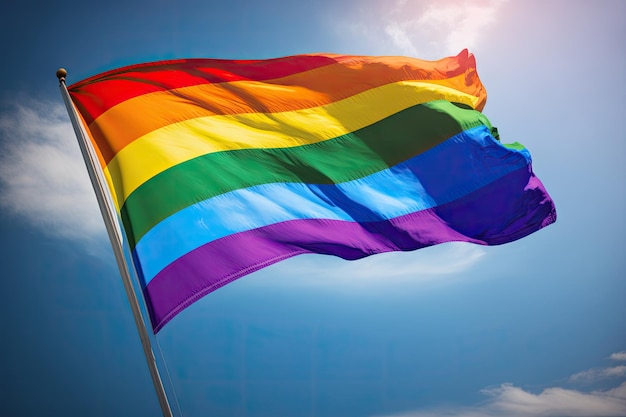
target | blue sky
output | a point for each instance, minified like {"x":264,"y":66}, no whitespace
{"x":532,"y":328}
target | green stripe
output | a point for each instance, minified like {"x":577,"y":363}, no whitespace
{"x":515,"y":145}
{"x":347,"y":157}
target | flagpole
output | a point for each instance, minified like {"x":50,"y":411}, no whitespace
{"x":116,"y":242}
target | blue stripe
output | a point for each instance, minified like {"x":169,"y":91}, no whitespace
{"x":460,"y":165}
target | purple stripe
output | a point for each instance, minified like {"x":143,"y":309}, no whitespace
{"x":507,"y":209}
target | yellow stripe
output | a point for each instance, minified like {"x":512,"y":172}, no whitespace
{"x":171,"y":145}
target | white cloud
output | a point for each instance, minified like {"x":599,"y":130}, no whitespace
{"x":592,"y":375}
{"x":431,"y":29}
{"x":511,"y":401}
{"x":448,"y":259}
{"x":400,"y":38}
{"x":508,"y":400}
{"x":424,"y":265}
{"x":458,"y":25}
{"x":43,"y":178}
{"x":597,"y":374}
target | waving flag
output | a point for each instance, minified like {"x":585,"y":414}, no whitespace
{"x":221,"y":167}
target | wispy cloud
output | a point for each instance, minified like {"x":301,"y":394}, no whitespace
{"x":43,"y":179}
{"x":428,"y":29}
{"x":448,"y":259}
{"x":509,"y":400}
{"x":456,"y":25}
{"x":422,"y":266}
{"x":597,"y":374}
{"x":401,"y":38}
{"x":593,"y":375}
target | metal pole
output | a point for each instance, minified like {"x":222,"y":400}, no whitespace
{"x":116,"y":242}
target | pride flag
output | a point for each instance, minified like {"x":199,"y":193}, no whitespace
{"x":218,"y":168}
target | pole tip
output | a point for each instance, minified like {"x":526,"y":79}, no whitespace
{"x":61,"y":74}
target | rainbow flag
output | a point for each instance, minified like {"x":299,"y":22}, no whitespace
{"x":221,"y":167}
